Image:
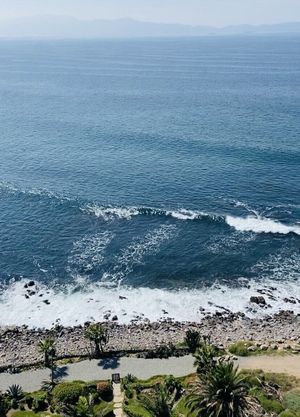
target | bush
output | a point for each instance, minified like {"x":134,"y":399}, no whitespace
{"x":240,"y":348}
{"x":268,"y":404}
{"x":104,"y":388}
{"x":67,"y":392}
{"x":39,"y":401}
{"x":287,"y":413}
{"x":4,"y":406}
{"x":162,"y":352}
{"x":128,"y":391}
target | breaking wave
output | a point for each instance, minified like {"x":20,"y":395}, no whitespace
{"x":252,"y":223}
{"x":261,"y":225}
{"x":71,"y":307}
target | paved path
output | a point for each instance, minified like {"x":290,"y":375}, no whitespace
{"x":142,"y":368}
{"x":118,"y":400}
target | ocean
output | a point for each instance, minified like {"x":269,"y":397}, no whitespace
{"x":148,"y":178}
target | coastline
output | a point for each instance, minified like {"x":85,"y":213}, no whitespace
{"x":19,"y":344}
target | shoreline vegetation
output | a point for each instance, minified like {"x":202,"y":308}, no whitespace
{"x":22,"y":347}
{"x":217,"y":387}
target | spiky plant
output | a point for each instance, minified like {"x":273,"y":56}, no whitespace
{"x":98,"y":334}
{"x":15,"y":394}
{"x":222,"y":393}
{"x":173,"y":387}
{"x":83,"y":408}
{"x":205,"y":358}
{"x":158,"y":404}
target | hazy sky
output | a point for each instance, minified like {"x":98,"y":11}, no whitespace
{"x":203,"y":12}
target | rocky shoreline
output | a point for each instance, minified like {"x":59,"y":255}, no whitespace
{"x":18,"y":345}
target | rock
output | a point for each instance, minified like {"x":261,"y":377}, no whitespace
{"x":115,"y":318}
{"x":258,"y":299}
{"x":121,"y":297}
{"x":274,"y":346}
{"x":290,"y":300}
{"x":264,"y":347}
{"x":286,"y":346}
{"x":251,"y":349}
{"x":31,"y":284}
{"x":46,"y":302}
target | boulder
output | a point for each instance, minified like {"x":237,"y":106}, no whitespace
{"x":258,"y":299}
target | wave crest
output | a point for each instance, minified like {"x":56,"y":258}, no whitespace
{"x":261,"y":225}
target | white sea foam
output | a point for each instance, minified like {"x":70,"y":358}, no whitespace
{"x":136,"y":251}
{"x":186,"y":214}
{"x":73,"y":307}
{"x":109,"y":213}
{"x":88,"y":252}
{"x":259,"y":224}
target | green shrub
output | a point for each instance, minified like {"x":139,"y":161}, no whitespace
{"x":67,"y":392}
{"x":128,"y":390}
{"x":37,"y":401}
{"x":162,"y":352}
{"x":291,"y":400}
{"x":103,"y":409}
{"x":134,"y":409}
{"x":287,"y":413}
{"x":4,"y":405}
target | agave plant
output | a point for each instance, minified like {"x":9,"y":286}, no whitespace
{"x":15,"y":394}
{"x":223,"y":393}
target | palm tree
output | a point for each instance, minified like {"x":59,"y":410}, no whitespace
{"x":47,"y":347}
{"x":192,"y":340}
{"x":159,"y":404}
{"x":98,"y":334}
{"x":222,"y":393}
{"x":205,"y":358}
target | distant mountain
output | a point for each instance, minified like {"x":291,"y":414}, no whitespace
{"x":68,"y":27}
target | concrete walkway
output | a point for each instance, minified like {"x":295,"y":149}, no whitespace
{"x":118,"y":400}
{"x":141,"y":368}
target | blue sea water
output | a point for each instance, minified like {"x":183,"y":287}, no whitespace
{"x":164,"y":171}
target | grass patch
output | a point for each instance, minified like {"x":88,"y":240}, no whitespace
{"x":268,"y":404}
{"x":135,"y":409}
{"x":241,"y":348}
{"x":291,"y":400}
{"x":289,"y":413}
{"x":182,"y":410}
{"x":286,"y":382}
